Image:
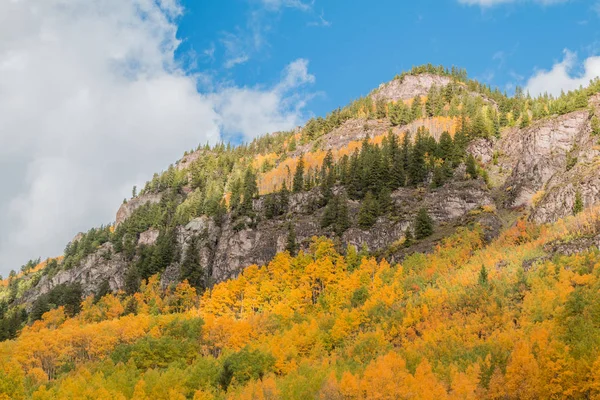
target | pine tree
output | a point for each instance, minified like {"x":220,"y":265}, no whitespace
{"x":423,"y":224}
{"x":595,"y":125}
{"x":408,"y":238}
{"x":291,"y":245}
{"x":250,"y":192}
{"x":578,"y":205}
{"x":369,"y":210}
{"x":446,"y":146}
{"x":525,"y":121}
{"x":190,"y":269}
{"x":471,"y":167}
{"x":417,"y":108}
{"x":395,"y":112}
{"x":342,"y":221}
{"x":483,"y":276}
{"x":385,"y":200}
{"x":298,"y":184}
{"x":417,"y":168}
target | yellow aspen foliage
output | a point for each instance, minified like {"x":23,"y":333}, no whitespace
{"x":523,"y":373}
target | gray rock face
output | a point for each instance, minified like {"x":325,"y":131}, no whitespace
{"x":409,"y":87}
{"x":148,"y":237}
{"x":551,"y":160}
{"x":128,"y":208}
{"x":91,"y":272}
{"x":541,"y":152}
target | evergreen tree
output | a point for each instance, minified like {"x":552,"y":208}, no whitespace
{"x":236,"y":196}
{"x":250,"y":191}
{"x":342,"y":221}
{"x":385,"y":200}
{"x":417,"y":168}
{"x":369,"y":210}
{"x":578,"y":205}
{"x":102,"y":291}
{"x":471,"y":167}
{"x":439,"y":177}
{"x":460,"y":146}
{"x":298,"y":184}
{"x":417,"y":108}
{"x":446,"y":146}
{"x":408,"y":238}
{"x":190,"y":269}
{"x":423,"y":224}
{"x":291,"y":245}
{"x":395,"y":112}
{"x":483,"y":276}
{"x":525,"y":121}
{"x":595,"y":125}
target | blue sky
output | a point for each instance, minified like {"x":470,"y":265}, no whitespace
{"x":352,"y":46}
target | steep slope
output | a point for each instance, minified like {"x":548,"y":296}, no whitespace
{"x":220,"y":209}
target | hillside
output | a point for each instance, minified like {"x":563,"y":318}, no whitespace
{"x":434,"y":238}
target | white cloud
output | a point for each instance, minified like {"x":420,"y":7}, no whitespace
{"x":276,"y":5}
{"x":253,"y":111}
{"x":491,"y":3}
{"x":562,"y":76}
{"x":94,"y":102}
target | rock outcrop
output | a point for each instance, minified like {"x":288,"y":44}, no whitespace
{"x":410,"y":86}
{"x":129,"y":207}
{"x":102,"y":265}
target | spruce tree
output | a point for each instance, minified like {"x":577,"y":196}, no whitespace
{"x":298,"y":184}
{"x":408,"y":238}
{"x":291,"y":245}
{"x":525,"y":121}
{"x":367,"y":215}
{"x":471,"y":167}
{"x":385,"y":200}
{"x":578,"y":205}
{"x":250,"y":191}
{"x":342,"y":221}
{"x":446,"y":146}
{"x":190,"y":269}
{"x":417,"y":108}
{"x":595,"y":125}
{"x":423,"y":224}
{"x":417,"y":168}
{"x":483,"y":276}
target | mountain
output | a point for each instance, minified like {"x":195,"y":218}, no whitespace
{"x":435,"y":232}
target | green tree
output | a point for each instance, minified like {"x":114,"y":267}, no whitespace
{"x":408,"y":238}
{"x":250,"y":191}
{"x":595,"y":125}
{"x":417,"y":108}
{"x":291,"y":245}
{"x":423,"y":224}
{"x":578,"y":205}
{"x":471,"y":165}
{"x":446,"y":146}
{"x":298,"y":184}
{"x":483,"y":276}
{"x":244,"y":366}
{"x":369,"y":210}
{"x":191,"y":269}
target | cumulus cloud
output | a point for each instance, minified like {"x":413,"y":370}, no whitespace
{"x":563,"y":76}
{"x":491,"y":3}
{"x":93,"y":102}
